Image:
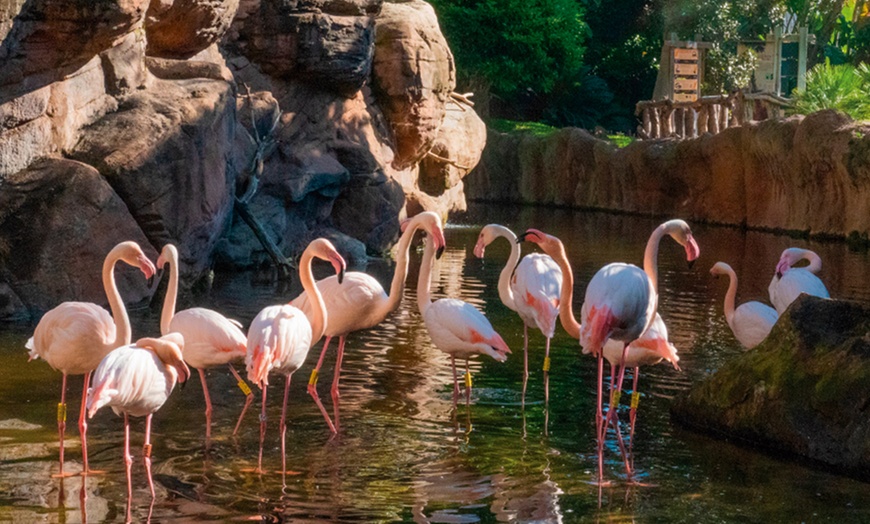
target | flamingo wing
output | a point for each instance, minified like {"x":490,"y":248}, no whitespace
{"x":784,"y":290}
{"x":349,"y":305}
{"x":210,"y":339}
{"x":279,"y":338}
{"x":73,"y":337}
{"x":130,"y":380}
{"x":752,"y":323}
{"x":455,"y":325}
{"x":537,"y":284}
{"x":619,"y":303}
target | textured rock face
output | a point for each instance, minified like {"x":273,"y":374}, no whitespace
{"x":803,"y":391}
{"x":80,"y":219}
{"x":803,"y":174}
{"x":413,"y":76}
{"x":182,"y":28}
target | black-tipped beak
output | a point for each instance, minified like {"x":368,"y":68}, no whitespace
{"x":778,"y":274}
{"x":341,"y":276}
{"x":522,"y":237}
{"x":691,"y":263}
{"x":439,"y":252}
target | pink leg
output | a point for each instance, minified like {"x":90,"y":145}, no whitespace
{"x":146,"y":453}
{"x":612,"y":413}
{"x":632,"y":415}
{"x":334,"y":391}
{"x":455,"y":380}
{"x":128,"y":459}
{"x":547,"y":375}
{"x":284,"y":424}
{"x":467,"y":384}
{"x":525,"y":360}
{"x":249,"y":397}
{"x":262,"y":432}
{"x":208,"y":409}
{"x":312,"y":387}
{"x":61,"y":422}
{"x":83,"y":425}
{"x":599,"y":418}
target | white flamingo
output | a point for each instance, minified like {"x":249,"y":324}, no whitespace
{"x":789,"y":282}
{"x":751,"y":321}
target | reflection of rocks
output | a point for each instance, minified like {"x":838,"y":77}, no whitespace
{"x":801,"y":391}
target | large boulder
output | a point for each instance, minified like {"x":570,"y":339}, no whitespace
{"x":165,"y":152}
{"x":79,"y":219}
{"x":803,"y":391}
{"x":182,"y":28}
{"x":413,"y":75}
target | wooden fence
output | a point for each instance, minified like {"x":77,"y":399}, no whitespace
{"x":709,"y":114}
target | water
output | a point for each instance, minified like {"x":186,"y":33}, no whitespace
{"x":404,"y":453}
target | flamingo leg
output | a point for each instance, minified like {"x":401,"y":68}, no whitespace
{"x":128,"y":459}
{"x":146,"y":453}
{"x":262,"y":432}
{"x":83,"y":425}
{"x":467,"y":384}
{"x":612,"y":412}
{"x":312,"y":387}
{"x":525,"y":360}
{"x":334,"y":391}
{"x":61,"y":420}
{"x":632,"y":415}
{"x":547,"y":374}
{"x":249,"y":397}
{"x":455,"y":380}
{"x":284,"y":424}
{"x":599,"y":418}
{"x":208,"y":409}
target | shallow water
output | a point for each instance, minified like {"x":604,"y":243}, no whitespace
{"x":404,"y":452}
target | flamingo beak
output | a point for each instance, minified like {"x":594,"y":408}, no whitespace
{"x":183,"y":374}
{"x":531,"y":235}
{"x":147,"y":268}
{"x":339,"y":265}
{"x":403,"y":225}
{"x":692,"y":250}
{"x":479,"y":248}
{"x":440,"y":242}
{"x":782,"y":267}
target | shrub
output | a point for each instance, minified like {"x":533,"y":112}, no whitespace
{"x":842,"y":87}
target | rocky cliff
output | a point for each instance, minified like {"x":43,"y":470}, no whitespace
{"x":129,"y":119}
{"x":804,"y":391}
{"x":810,"y":175}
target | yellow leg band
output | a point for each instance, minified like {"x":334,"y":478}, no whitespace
{"x":547,"y":364}
{"x":635,"y":400}
{"x":244,"y":387}
{"x":313,"y":380}
{"x":468,"y":380}
{"x":616,"y":396}
{"x":61,"y":412}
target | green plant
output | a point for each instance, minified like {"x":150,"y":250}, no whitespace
{"x":513,"y":126}
{"x":842,"y":87}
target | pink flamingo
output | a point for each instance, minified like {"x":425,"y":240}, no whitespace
{"x":210,"y":339}
{"x":620,"y":304}
{"x":752,"y":321}
{"x":531,"y":288}
{"x":455,"y":327}
{"x":789,"y":282}
{"x":75,"y":336}
{"x":135,"y":380}
{"x":360,"y":302}
{"x":280,"y":336}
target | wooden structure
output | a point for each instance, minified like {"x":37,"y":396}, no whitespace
{"x":707,"y":114}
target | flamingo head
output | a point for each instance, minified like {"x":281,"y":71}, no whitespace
{"x":682,"y":233}
{"x":720,"y":268}
{"x":325,"y":250}
{"x":485,"y":238}
{"x":790,"y":257}
{"x":169,"y":255}
{"x":169,"y":349}
{"x":431,"y":223}
{"x":132,"y":254}
{"x":549,"y":244}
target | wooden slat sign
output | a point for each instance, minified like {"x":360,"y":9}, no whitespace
{"x":685,"y":97}
{"x":685,"y":69}
{"x":685,"y":54}
{"x":685,"y":84}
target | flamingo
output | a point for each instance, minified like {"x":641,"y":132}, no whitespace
{"x":280,"y":336}
{"x":620,"y":304}
{"x":531,"y":288}
{"x":455,"y":327}
{"x":789,"y":282}
{"x":360,"y":302}
{"x":75,"y":336}
{"x":751,"y":321}
{"x":210,"y":339}
{"x":135,"y":380}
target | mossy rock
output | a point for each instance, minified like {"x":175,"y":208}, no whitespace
{"x":804,"y":391}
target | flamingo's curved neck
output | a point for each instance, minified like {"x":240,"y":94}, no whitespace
{"x":730,"y":296}
{"x":171,"y":293}
{"x":651,"y":255}
{"x":815,"y":262}
{"x":566,"y":300}
{"x":505,"y":292}
{"x":123,"y":332}
{"x":424,"y":297}
{"x":401,"y":273}
{"x":318,"y":306}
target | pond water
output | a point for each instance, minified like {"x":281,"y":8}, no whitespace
{"x":404,"y":452}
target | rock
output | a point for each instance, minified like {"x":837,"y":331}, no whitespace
{"x":123,"y":65}
{"x":80,"y":219}
{"x":326,"y":43}
{"x":165,"y":153}
{"x":802,"y":174}
{"x":456,"y":150}
{"x":803,"y":391}
{"x":181,"y":28}
{"x":412,"y":77}
{"x":52,"y":38}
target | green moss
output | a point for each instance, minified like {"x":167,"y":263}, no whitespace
{"x":512,"y":126}
{"x":620,"y":140}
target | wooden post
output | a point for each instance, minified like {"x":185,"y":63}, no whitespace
{"x":647,"y":122}
{"x":703,"y":112}
{"x":689,"y":122}
{"x":667,"y":121}
{"x":678,"y":122}
{"x":803,"y":37}
{"x":655,"y":130}
{"x":723,"y":117}
{"x":713,"y":124}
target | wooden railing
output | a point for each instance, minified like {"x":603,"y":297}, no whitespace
{"x":709,"y":114}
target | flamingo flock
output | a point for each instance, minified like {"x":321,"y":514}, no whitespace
{"x":619,"y":322}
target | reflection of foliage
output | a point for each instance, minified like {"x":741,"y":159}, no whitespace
{"x":726,"y":72}
{"x":842,"y":87}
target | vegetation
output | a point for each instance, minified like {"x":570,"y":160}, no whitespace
{"x":842,"y":87}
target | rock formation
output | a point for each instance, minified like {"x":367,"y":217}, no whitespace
{"x":804,"y":391}
{"x":804,"y":174}
{"x":124,"y":119}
